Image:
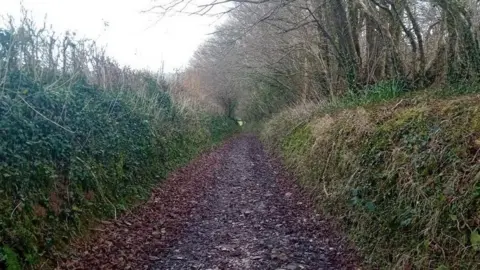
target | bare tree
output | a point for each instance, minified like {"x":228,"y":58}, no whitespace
{"x":318,"y":49}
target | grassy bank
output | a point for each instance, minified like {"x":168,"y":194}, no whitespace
{"x":402,"y":176}
{"x":81,"y":139}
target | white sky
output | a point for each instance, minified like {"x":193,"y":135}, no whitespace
{"x":132,"y":38}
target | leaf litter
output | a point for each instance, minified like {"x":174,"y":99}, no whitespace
{"x":232,"y":208}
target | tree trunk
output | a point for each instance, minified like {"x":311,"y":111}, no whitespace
{"x":419,"y":76}
{"x":343,"y":33}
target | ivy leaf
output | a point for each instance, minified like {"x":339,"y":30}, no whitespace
{"x":475,"y":240}
{"x":76,"y":209}
{"x":370,"y":206}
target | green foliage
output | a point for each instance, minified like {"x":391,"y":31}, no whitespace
{"x":298,"y":141}
{"x":72,"y":152}
{"x":456,"y":89}
{"x":402,"y":177}
{"x":9,"y":258}
{"x":475,"y":240}
{"x":218,"y":126}
{"x":380,"y":92}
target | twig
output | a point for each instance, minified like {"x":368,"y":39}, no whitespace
{"x":14,"y":209}
{"x":46,"y":118}
{"x":398,"y":104}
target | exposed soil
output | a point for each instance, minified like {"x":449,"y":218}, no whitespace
{"x":233,"y":208}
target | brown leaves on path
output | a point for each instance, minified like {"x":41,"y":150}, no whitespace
{"x":233,"y":208}
{"x":135,"y":239}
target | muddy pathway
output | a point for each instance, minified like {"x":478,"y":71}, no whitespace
{"x":233,"y":208}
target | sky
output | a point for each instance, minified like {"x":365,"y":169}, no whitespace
{"x":133,"y":38}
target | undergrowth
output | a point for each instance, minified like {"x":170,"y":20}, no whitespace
{"x":401,"y":173}
{"x":380,"y":92}
{"x":81,"y":139}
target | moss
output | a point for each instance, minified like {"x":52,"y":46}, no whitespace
{"x":298,"y":141}
{"x":402,"y":119}
{"x":475,"y":119}
{"x":405,"y":187}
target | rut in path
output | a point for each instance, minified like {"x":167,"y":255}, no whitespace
{"x":233,"y":208}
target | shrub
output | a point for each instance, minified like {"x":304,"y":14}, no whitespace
{"x":81,"y":139}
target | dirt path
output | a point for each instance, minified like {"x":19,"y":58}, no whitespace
{"x":230,"y":209}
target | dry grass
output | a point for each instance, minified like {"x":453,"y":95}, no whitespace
{"x":401,"y":176}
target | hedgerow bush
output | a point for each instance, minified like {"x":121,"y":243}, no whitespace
{"x":81,"y":140}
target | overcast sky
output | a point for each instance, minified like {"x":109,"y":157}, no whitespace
{"x":132,"y":37}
